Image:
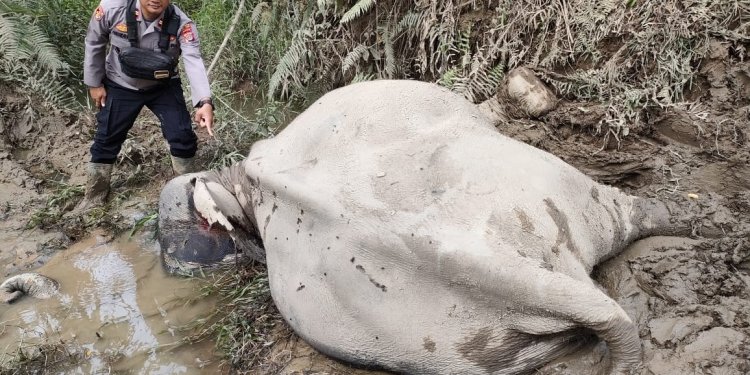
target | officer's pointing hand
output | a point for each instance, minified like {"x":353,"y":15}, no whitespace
{"x":204,"y":117}
{"x":99,"y":95}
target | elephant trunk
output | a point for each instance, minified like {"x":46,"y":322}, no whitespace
{"x":32,"y":284}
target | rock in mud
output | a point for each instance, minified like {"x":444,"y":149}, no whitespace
{"x":526,"y":95}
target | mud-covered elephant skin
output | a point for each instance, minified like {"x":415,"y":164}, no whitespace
{"x":31,"y":284}
{"x":402,"y":230}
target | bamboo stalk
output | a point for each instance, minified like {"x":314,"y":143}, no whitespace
{"x":226,"y":37}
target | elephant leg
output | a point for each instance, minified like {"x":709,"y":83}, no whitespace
{"x":555,"y":307}
{"x":516,"y":351}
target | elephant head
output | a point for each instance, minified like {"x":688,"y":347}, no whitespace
{"x":202,"y":224}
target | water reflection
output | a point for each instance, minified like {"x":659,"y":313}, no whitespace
{"x":118,"y":309}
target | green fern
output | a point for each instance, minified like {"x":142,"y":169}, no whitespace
{"x":362,"y":77}
{"x":9,"y":37}
{"x":28,"y":59}
{"x":353,"y":56}
{"x":390,"y":54}
{"x":360,"y":8}
{"x":448,"y":79}
{"x":286,"y":69}
{"x":36,"y":42}
{"x":409,"y":21}
{"x":464,"y":46}
{"x":46,"y":85}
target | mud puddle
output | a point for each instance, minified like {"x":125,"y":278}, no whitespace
{"x":23,"y":249}
{"x":117,"y":310}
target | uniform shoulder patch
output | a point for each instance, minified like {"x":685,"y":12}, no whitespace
{"x":98,"y":13}
{"x":186,"y":34}
{"x":121,"y":27}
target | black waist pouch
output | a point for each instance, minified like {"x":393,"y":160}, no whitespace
{"x":146,"y":64}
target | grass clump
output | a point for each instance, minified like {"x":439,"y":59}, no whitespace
{"x":235,"y":132}
{"x":246,"y":323}
{"x":43,"y":358}
{"x":61,"y":199}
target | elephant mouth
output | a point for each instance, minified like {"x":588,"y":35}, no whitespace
{"x":187,"y":249}
{"x":189,"y":245}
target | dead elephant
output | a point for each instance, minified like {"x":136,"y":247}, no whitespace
{"x":402,"y":231}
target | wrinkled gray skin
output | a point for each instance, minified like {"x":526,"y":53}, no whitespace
{"x":402,"y":231}
{"x":31,"y":284}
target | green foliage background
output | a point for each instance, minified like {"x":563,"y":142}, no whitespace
{"x":629,"y":54}
{"x":37,"y":46}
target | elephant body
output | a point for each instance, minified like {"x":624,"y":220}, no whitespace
{"x":402,"y":231}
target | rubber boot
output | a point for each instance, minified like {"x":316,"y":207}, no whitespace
{"x":97,"y":186}
{"x":182,"y":166}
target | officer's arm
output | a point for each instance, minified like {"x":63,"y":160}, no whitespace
{"x":97,"y":37}
{"x":194,"y":67}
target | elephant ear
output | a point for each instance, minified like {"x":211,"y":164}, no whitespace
{"x":218,"y":206}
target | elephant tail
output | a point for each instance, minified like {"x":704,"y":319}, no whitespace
{"x":32,"y":284}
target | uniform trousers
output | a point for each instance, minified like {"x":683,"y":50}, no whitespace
{"x":123,"y":105}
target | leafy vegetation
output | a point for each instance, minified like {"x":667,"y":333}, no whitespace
{"x":244,"y":325}
{"x":628,"y":55}
{"x":61,"y":199}
{"x":29,"y":58}
{"x":44,"y":358}
{"x":150,"y":219}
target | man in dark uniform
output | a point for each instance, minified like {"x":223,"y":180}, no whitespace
{"x":120,"y":97}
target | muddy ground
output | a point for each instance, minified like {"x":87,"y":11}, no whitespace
{"x":689,"y":296}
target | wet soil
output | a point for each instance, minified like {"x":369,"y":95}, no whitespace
{"x":690,"y":296}
{"x":116,"y":310}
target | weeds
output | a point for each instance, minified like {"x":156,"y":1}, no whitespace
{"x":60,"y":200}
{"x":236,"y":133}
{"x":143,"y":222}
{"x":627,"y":55}
{"x":42,"y":358}
{"x":30,"y":55}
{"x":244,"y":324}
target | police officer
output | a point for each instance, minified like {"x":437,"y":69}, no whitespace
{"x":120,"y":96}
